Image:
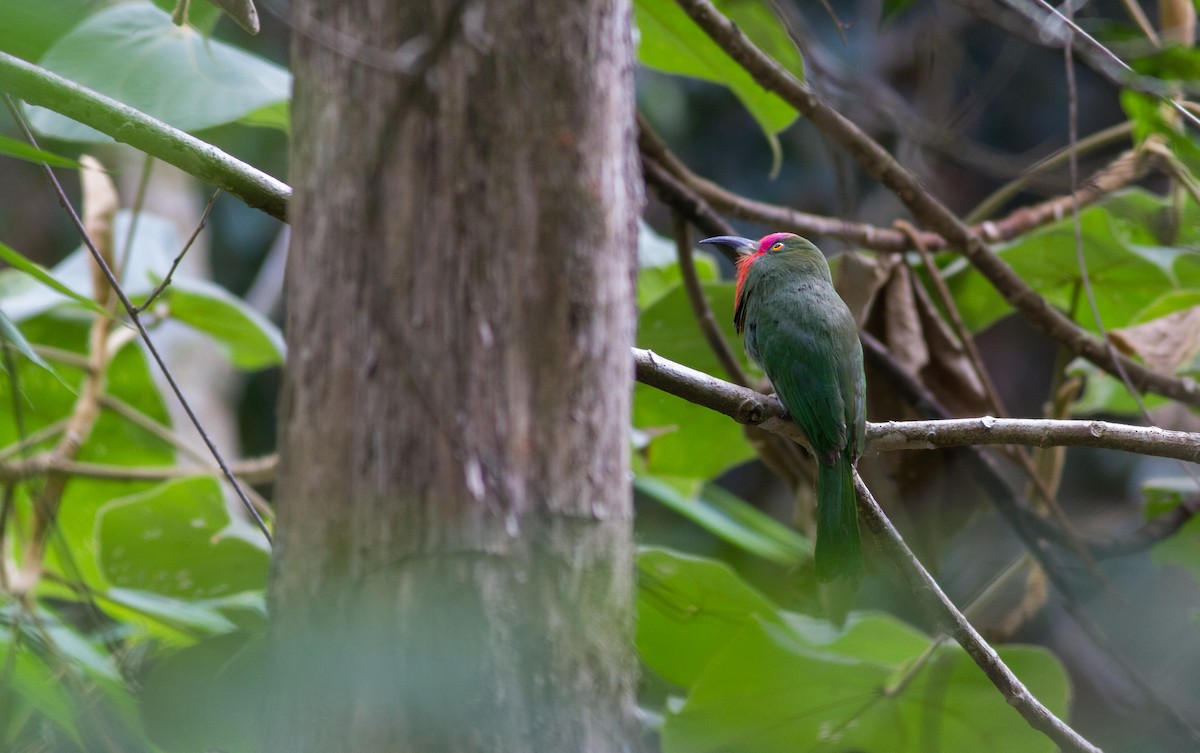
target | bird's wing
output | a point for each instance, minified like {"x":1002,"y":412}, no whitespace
{"x":806,"y":372}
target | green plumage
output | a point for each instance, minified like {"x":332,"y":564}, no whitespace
{"x":798,"y":329}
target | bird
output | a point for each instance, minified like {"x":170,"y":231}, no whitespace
{"x":801,"y":333}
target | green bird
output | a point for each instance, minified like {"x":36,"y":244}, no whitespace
{"x":798,"y":329}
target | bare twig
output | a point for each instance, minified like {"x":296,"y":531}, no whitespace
{"x":38,"y":86}
{"x":158,"y":289}
{"x":700,"y":308}
{"x":1127,"y":168}
{"x":252,"y":471}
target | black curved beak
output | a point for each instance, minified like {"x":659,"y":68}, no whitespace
{"x":737,"y":243}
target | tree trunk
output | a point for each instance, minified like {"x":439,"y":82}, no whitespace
{"x":453,"y":569}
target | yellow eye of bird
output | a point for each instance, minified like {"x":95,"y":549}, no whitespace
{"x":778,"y":246}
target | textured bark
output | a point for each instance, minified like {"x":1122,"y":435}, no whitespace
{"x":454,"y":561}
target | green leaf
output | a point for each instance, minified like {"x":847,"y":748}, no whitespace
{"x":155,"y":243}
{"x":688,"y":441}
{"x":689,"y":608}
{"x":249,"y":339}
{"x":17,"y":261}
{"x":762,"y":681}
{"x":9,"y":333}
{"x":36,"y":686}
{"x":769,"y":692}
{"x":176,"y":540}
{"x":174,"y":621}
{"x":732,"y":519}
{"x":671,"y":42}
{"x":658,"y":268}
{"x":133,"y":53}
{"x":23,"y":151}
{"x":1182,"y":548}
{"x":207,"y":696}
{"x":893,"y":9}
{"x":866,"y":636}
{"x":1124,"y":276}
{"x":1103,"y":393}
{"x":277,"y":115}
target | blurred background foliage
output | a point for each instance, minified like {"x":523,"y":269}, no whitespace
{"x":143,"y":628}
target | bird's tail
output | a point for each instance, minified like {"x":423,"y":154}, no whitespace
{"x":839,"y":549}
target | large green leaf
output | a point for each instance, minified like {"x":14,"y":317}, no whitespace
{"x":1125,"y":279}
{"x":176,"y":540}
{"x":249,"y":339}
{"x":768,"y":692}
{"x":134,"y":54}
{"x":689,"y":608}
{"x":763,"y":681}
{"x":688,"y":441}
{"x":670,"y":41}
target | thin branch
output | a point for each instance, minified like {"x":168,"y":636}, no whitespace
{"x":133,"y":316}
{"x":38,"y":86}
{"x":926,"y":208}
{"x":890,"y":436}
{"x":682,"y":199}
{"x":700,"y":308}
{"x":158,"y":289}
{"x":749,"y":407}
{"x":925,"y":588}
{"x":252,"y":471}
{"x":1127,"y":168}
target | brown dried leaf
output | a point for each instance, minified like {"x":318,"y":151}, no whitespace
{"x":1165,"y":343}
{"x":100,"y":203}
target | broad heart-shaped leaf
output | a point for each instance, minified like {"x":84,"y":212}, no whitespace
{"x":134,"y":54}
{"x":1125,"y":278}
{"x":249,"y":339}
{"x":175,"y":540}
{"x":688,"y":441}
{"x":670,"y":41}
{"x":768,"y":692}
{"x":732,"y":519}
{"x":759,"y":680}
{"x":689,"y":608}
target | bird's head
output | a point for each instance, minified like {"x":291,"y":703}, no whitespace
{"x":789,"y":248}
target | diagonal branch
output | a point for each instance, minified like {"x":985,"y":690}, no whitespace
{"x":927,"y":591}
{"x":927,"y":209}
{"x":38,"y":86}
